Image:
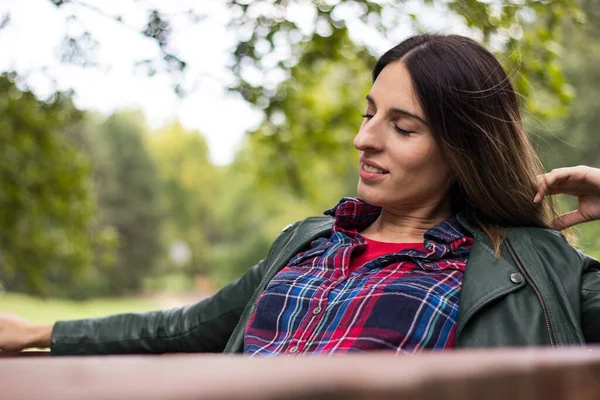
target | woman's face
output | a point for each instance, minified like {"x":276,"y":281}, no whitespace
{"x":401,"y":165}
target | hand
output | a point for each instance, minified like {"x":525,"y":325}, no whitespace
{"x":17,"y":333}
{"x":581,"y":181}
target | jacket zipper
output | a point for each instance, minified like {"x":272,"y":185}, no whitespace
{"x":537,"y":293}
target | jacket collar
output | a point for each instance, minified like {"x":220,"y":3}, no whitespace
{"x":462,"y":219}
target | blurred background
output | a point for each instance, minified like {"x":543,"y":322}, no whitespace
{"x":150,"y":152}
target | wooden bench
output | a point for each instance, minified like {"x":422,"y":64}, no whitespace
{"x":508,"y":374}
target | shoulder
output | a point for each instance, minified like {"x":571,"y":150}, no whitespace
{"x":552,"y":243}
{"x":311,"y":226}
{"x":543,"y":234}
{"x":295,"y":238}
{"x":303,"y":232}
{"x":542,"y":237}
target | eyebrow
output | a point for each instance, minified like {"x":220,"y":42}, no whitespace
{"x":398,"y":111}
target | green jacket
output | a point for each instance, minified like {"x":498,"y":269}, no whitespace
{"x":540,"y":291}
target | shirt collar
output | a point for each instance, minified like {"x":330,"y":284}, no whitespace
{"x":352,"y":215}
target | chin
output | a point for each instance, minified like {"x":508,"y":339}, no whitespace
{"x":385,"y":198}
{"x":370,"y":195}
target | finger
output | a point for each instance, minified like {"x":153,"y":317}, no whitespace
{"x":559,"y":180}
{"x":568,"y":219}
{"x":552,"y":178}
{"x":563,"y":188}
{"x":544,"y":181}
{"x":539,"y":195}
{"x":555,"y":189}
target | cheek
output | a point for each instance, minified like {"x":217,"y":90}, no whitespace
{"x":438,"y":174}
{"x":423,"y":163}
{"x":415,"y":158}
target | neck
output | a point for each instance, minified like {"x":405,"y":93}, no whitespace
{"x":407,"y":225}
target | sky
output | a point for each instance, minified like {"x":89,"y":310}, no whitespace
{"x":29,"y":45}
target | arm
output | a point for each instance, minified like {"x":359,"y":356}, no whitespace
{"x":202,"y":327}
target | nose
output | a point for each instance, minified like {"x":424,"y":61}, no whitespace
{"x":368,"y":137}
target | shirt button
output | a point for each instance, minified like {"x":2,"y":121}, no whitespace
{"x":317,"y":310}
{"x":294,"y":349}
{"x":516,"y":278}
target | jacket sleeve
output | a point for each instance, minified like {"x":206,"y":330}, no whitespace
{"x":590,"y":299}
{"x":201,"y":327}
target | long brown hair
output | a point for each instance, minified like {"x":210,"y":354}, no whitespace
{"x":474,"y":114}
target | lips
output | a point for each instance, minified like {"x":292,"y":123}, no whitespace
{"x":372,"y":167}
{"x":371,"y":172}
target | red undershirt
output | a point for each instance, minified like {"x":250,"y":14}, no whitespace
{"x":377,"y":249}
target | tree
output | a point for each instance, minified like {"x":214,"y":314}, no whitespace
{"x":306,"y":139}
{"x":270,"y":37}
{"x":127,"y":189}
{"x":300,"y":161}
{"x":572,"y":139}
{"x":46,"y":199}
{"x":188,"y":186}
{"x":272,"y":42}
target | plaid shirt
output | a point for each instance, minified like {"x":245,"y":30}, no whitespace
{"x":406,"y":301}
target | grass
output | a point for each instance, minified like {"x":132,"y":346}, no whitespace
{"x":51,"y":310}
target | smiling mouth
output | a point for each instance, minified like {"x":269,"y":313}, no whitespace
{"x":373,"y":170}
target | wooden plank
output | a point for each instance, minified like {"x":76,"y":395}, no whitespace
{"x":34,"y":353}
{"x":530,"y":374}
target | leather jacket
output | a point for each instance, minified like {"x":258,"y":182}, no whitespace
{"x":541,"y":291}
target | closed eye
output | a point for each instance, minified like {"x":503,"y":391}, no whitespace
{"x":402,"y":131}
{"x":396,"y":127}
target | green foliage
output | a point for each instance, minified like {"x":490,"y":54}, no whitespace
{"x":572,"y":139}
{"x":301,"y":159}
{"x":535,"y":54}
{"x":156,"y":188}
{"x":534,"y":57}
{"x":127,"y":187}
{"x":306,"y":139}
{"x":46,"y":202}
{"x":314,"y":114}
{"x":188,"y":180}
{"x":261,"y":26}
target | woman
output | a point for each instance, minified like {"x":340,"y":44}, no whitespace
{"x":450,"y":244}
